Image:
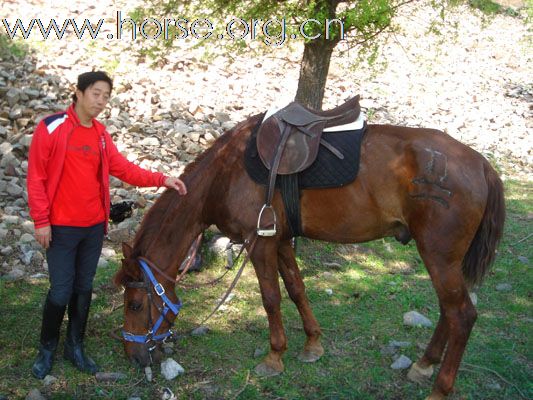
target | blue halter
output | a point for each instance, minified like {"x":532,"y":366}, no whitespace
{"x":167,"y":306}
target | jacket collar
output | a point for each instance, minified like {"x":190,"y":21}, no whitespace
{"x":73,"y":116}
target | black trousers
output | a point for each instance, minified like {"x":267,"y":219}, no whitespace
{"x":72,"y":260}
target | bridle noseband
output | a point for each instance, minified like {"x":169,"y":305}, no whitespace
{"x":148,"y":283}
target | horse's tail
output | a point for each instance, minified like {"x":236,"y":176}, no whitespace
{"x":482,"y":251}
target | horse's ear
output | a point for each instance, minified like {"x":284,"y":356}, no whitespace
{"x":126,"y":250}
{"x":120,"y":278}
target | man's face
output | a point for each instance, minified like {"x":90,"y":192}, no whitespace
{"x":94,"y":99}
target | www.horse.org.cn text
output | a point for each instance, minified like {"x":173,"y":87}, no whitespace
{"x":273,"y":32}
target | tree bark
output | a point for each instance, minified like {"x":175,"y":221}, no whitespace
{"x":314,"y":72}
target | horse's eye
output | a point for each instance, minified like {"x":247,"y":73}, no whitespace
{"x":134,"y":305}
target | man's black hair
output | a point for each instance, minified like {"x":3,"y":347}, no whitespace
{"x":89,"y":78}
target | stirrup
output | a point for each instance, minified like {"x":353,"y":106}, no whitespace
{"x":266,"y":231}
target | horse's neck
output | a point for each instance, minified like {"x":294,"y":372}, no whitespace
{"x":179,"y":226}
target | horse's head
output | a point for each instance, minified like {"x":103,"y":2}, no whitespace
{"x":150,"y":308}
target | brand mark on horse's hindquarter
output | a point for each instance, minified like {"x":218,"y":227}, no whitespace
{"x":430,"y":185}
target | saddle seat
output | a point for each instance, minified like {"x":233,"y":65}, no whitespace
{"x":295,"y":132}
{"x":299,"y":115}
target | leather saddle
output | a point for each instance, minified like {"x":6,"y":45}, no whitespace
{"x":294,"y":134}
{"x":289,"y":140}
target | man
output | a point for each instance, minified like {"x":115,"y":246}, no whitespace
{"x":70,"y":160}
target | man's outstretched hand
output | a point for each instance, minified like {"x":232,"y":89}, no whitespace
{"x":176,"y":184}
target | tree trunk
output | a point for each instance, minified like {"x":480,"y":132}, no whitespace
{"x":314,"y":72}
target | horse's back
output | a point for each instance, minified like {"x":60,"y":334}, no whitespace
{"x":405,"y":175}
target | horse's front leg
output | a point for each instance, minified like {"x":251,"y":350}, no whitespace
{"x":265,"y":259}
{"x":294,"y":284}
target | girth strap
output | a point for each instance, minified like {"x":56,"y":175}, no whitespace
{"x":291,"y":200}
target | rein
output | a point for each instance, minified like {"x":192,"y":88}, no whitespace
{"x":149,"y":282}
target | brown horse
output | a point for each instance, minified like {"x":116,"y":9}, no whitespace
{"x":412,"y":183}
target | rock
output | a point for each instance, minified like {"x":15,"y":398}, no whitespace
{"x":38,"y":258}
{"x":228,"y":125}
{"x":401,"y":362}
{"x":102,"y":263}
{"x":3,"y":233}
{"x":395,"y":343}
{"x":27,"y":253}
{"x":329,"y":292}
{"x":108,"y":252}
{"x":25,"y":140}
{"x":109,"y":376}
{"x":11,"y":219}
{"x":259,"y":353}
{"x":6,"y":251}
{"x":35,"y":394}
{"x":31,"y":93}
{"x":148,"y":373}
{"x":493,"y":386}
{"x":200,"y":331}
{"x":5,"y":148}
{"x":14,"y":274}
{"x":414,"y":318}
{"x":181,"y":127}
{"x":218,"y":245}
{"x":523,"y":260}
{"x":28,"y":227}
{"x":171,"y":369}
{"x":150,"y":141}
{"x":119,"y":235}
{"x":168,"y":348}
{"x":504,"y":287}
{"x":15,"y":113}
{"x":473,"y":298}
{"x":14,"y":190}
{"x":49,"y":380}
{"x":12,"y":96}
{"x":332,"y":265}
{"x":167,"y":394}
{"x":26,"y":238}
{"x":393,"y":347}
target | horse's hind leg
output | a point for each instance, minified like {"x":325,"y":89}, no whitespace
{"x":290,"y":273}
{"x":265,"y":259}
{"x":458,"y":315}
{"x":422,"y":370}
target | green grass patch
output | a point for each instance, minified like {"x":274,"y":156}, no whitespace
{"x":373,"y":284}
{"x":11,"y":48}
{"x":489,"y":7}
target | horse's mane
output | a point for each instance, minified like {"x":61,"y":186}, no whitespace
{"x":153,"y":220}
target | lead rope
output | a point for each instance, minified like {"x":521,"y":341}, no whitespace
{"x":235,"y":280}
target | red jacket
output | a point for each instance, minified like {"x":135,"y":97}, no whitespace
{"x":47,"y":155}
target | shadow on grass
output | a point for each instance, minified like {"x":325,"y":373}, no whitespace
{"x":371,"y":286}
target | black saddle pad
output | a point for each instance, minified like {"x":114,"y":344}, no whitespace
{"x":327,"y":171}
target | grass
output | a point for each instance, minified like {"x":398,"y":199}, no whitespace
{"x":373,"y":284}
{"x":489,"y":7}
{"x":12,"y":48}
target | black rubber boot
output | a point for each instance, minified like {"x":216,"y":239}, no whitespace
{"x":52,"y":318}
{"x":78,"y":311}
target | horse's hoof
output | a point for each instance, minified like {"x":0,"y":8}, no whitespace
{"x":266,"y":370}
{"x":420,"y":375}
{"x":308,"y":356}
